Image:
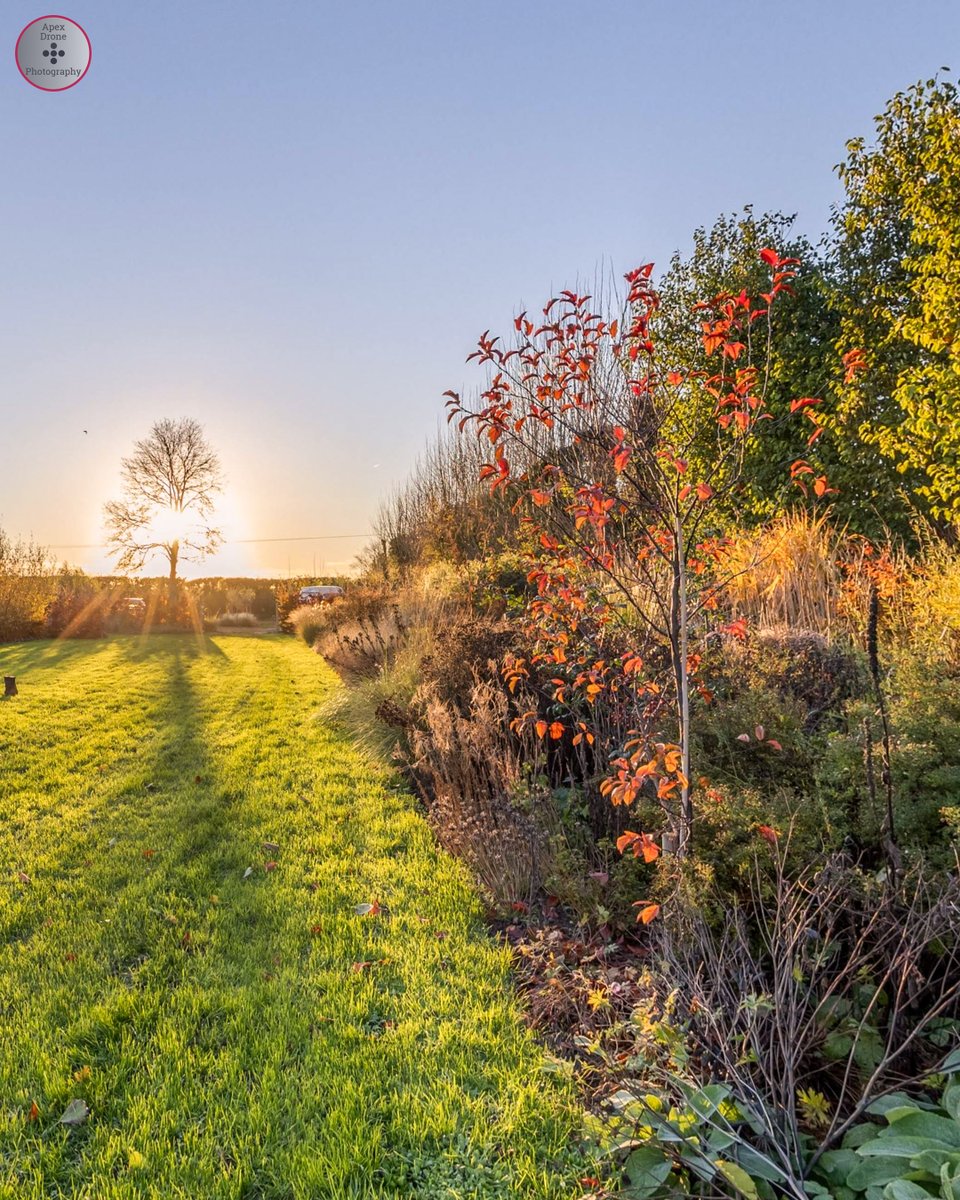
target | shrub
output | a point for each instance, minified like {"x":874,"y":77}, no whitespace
{"x":468,"y":769}
{"x":240,"y":600}
{"x":80,"y":607}
{"x":287,"y":599}
{"x":25,"y":588}
{"x":915,"y":1154}
{"x":306,"y":622}
{"x":238,"y":620}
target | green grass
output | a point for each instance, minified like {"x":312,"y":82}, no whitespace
{"x":218,"y":1028}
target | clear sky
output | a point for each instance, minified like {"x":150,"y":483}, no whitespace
{"x":291,"y":221}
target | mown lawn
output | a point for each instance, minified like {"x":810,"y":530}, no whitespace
{"x":241,"y":1037}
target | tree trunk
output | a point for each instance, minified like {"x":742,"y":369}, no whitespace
{"x":9,"y":685}
{"x":173,"y":554}
{"x":679,"y":647}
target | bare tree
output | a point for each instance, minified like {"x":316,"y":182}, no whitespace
{"x":169,"y":482}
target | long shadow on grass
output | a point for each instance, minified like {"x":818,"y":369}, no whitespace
{"x":180,"y":916}
{"x":20,"y":658}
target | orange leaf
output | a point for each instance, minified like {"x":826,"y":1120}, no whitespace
{"x":768,"y":833}
{"x":33,"y":1113}
{"x":541,"y":728}
{"x":271,"y":865}
{"x":556,"y":730}
{"x":704,"y":492}
{"x":648,"y":912}
{"x":626,"y":840}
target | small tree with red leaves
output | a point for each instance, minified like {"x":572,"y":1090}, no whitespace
{"x":587,"y":430}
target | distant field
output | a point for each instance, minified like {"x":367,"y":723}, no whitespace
{"x":239,"y":1037}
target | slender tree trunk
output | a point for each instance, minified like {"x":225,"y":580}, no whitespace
{"x":679,"y":648}
{"x":174,"y":555}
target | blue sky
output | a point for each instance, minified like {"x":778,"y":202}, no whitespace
{"x":290,"y":222}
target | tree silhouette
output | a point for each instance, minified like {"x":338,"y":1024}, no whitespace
{"x":169,"y":482}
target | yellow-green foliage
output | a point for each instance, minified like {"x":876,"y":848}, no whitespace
{"x":787,"y":575}
{"x":241,"y":1033}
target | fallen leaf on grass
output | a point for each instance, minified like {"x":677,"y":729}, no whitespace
{"x":148,"y":853}
{"x":367,"y":964}
{"x":69,"y":956}
{"x":270,"y":866}
{"x":33,"y":1113}
{"x":75,"y":1113}
{"x":23,"y":877}
{"x":271,"y":847}
{"x":82,"y":1075}
{"x":315,"y":929}
{"x":248,"y":872}
{"x":368,"y":910}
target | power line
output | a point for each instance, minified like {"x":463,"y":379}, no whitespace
{"x":316,"y":537}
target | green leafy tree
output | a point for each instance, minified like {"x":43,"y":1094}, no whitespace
{"x":897,"y":278}
{"x":802,"y":361}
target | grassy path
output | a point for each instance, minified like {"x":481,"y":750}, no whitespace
{"x":239,"y":1037}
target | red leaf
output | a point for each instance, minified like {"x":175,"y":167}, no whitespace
{"x":805,"y":402}
{"x":770,"y":257}
{"x":271,"y":865}
{"x":704,"y":492}
{"x":774,"y":744}
{"x":34,"y":1112}
{"x":768,"y":833}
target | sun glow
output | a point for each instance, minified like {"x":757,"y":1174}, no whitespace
{"x":168,"y":525}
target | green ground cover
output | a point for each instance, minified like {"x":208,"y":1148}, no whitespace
{"x":241,"y":1037}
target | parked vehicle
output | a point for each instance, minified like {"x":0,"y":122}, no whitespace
{"x":321,"y":593}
